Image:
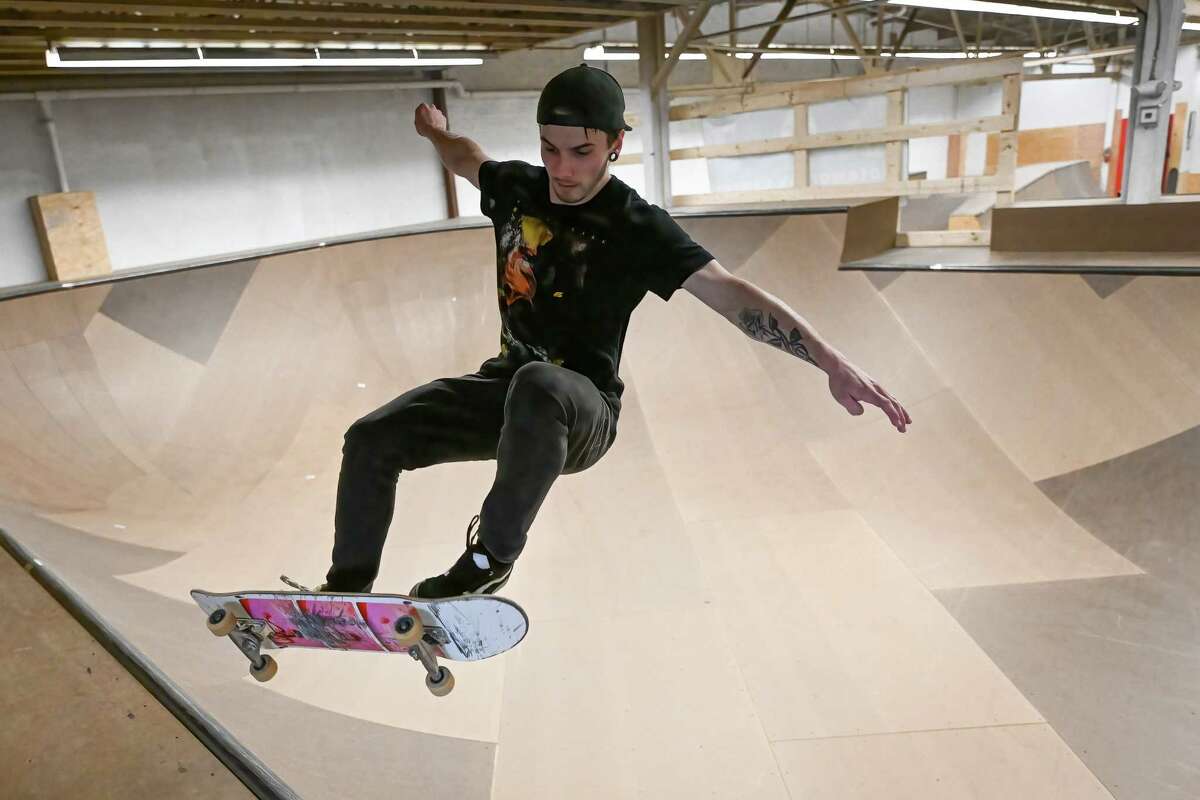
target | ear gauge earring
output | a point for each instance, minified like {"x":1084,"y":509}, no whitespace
{"x":613,"y":156}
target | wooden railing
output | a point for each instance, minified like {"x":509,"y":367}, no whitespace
{"x":800,"y":95}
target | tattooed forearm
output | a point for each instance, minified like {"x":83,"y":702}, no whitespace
{"x":750,"y":320}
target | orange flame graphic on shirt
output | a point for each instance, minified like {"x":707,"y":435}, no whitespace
{"x":520,"y":283}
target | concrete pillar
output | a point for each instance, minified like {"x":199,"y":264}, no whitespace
{"x":1150,"y":104}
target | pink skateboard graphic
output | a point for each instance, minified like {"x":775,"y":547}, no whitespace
{"x":468,"y":628}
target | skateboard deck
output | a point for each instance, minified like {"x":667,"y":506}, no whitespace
{"x":467,"y":628}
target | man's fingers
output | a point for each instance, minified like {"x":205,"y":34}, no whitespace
{"x":899,"y":415}
{"x":851,"y":391}
{"x":895,"y":414}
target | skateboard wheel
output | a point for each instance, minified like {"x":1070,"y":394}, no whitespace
{"x":221,"y":622}
{"x":409,"y":630}
{"x":442,"y":686}
{"x":266,"y":671}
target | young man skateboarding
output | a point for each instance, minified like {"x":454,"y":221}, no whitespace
{"x":576,"y":251}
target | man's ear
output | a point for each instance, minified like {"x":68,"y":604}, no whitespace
{"x":617,"y":145}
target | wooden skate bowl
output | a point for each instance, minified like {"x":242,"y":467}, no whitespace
{"x":752,"y":594}
{"x":1060,"y":180}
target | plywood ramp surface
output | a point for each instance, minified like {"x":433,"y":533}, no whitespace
{"x":753,"y":594}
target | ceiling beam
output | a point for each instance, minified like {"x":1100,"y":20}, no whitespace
{"x":769,"y":36}
{"x":806,"y":15}
{"x":681,"y":43}
{"x":49,"y":36}
{"x":623,"y":10}
{"x":18,"y":19}
{"x":362,"y":12}
{"x":869,"y":65}
{"x":908,"y":25}
{"x":958,"y":29}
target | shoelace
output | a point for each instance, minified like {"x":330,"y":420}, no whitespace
{"x":470,"y":528}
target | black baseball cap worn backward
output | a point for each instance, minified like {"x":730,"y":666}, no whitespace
{"x":583,"y":97}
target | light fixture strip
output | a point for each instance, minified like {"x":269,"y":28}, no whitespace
{"x":1022,"y":11}
{"x":54,"y":61}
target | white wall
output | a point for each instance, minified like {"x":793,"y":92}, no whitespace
{"x":748,"y":173}
{"x":197,"y":176}
{"x":26,"y":169}
{"x":1056,"y":104}
{"x":865,"y":164}
{"x":984,"y":100}
{"x":930,"y":105}
{"x":505,"y":127}
{"x":215,"y":174}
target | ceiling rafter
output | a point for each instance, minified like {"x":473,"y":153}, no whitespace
{"x":357,"y":11}
{"x":494,"y":27}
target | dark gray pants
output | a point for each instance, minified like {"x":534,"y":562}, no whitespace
{"x":538,"y":423}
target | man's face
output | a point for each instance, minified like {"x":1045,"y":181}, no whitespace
{"x":577,"y":160}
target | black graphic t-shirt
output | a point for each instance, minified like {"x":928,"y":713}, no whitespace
{"x":569,"y":276}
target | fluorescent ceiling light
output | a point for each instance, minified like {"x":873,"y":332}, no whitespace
{"x":1025,"y":11}
{"x":935,"y":54}
{"x":52,"y":60}
{"x":600,"y":54}
{"x":191,"y":45}
{"x":1191,"y":26}
{"x":818,"y":56}
{"x":801,"y":56}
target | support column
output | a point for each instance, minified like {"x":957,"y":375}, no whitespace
{"x":655,"y":107}
{"x":52,"y":132}
{"x":448,"y":184}
{"x":1150,"y":105}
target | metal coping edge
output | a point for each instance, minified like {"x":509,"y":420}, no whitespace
{"x":1133,"y":272}
{"x":469,"y":223}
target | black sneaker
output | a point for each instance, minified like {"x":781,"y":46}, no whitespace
{"x":475,"y":572}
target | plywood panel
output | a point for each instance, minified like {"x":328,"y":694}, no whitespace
{"x":1045,"y":145}
{"x":72,"y":239}
{"x":1153,"y":227}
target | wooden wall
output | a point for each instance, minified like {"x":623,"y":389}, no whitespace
{"x":1044,"y":145}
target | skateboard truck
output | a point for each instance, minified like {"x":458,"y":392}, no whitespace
{"x":248,"y":636}
{"x":439,"y":680}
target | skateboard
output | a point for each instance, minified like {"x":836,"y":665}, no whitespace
{"x":466,"y":628}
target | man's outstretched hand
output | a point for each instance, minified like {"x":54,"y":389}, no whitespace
{"x":852,"y":387}
{"x":428,"y":119}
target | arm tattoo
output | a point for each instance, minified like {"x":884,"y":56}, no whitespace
{"x":751,"y":321}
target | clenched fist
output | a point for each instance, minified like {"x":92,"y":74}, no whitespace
{"x":429,"y":119}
